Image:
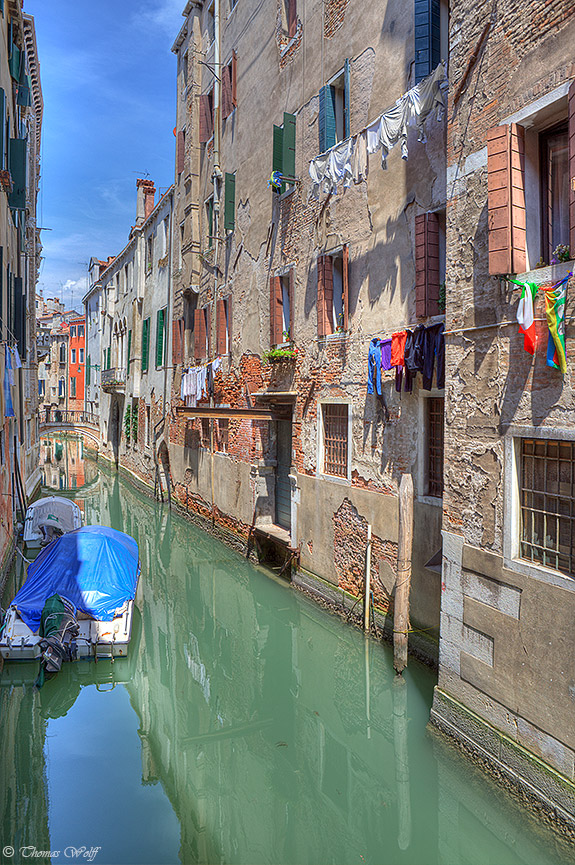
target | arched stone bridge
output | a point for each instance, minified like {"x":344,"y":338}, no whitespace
{"x":59,"y":420}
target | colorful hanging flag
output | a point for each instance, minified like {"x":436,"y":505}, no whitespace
{"x":8,"y":382}
{"x":525,"y":316}
{"x":555,"y":310}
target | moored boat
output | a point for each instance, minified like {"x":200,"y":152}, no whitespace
{"x":77,"y":600}
{"x":50,"y":518}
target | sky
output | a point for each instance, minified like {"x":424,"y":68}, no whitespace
{"x":109,"y":85}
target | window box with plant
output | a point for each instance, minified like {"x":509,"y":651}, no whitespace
{"x":281,"y":355}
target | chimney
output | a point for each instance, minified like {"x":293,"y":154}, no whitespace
{"x":144,"y":200}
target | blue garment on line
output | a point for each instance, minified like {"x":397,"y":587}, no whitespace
{"x":378,"y":359}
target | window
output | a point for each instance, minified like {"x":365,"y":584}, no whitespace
{"x":62,"y":353}
{"x":335,"y":418}
{"x":149,"y":253}
{"x":288,"y":9}
{"x":332,"y":292}
{"x":202,"y":328}
{"x":429,"y":262}
{"x":206,"y":116}
{"x":223,"y":310}
{"x":229,"y":87}
{"x":554,"y":150}
{"x":547,"y":503}
{"x":281,"y":308}
{"x":81,"y":355}
{"x":209,"y":23}
{"x":80,"y":331}
{"x":283,"y":151}
{"x":334,"y":122}
{"x":73,"y":355}
{"x":209,"y":205}
{"x":434,"y":446}
{"x":181,"y":251}
{"x":73,"y":387}
{"x":160,"y":322}
{"x":222,"y":435}
{"x":165,"y":235}
{"x":61,"y":388}
{"x":427,"y":37}
{"x":41,"y":387}
{"x":205,"y":432}
{"x":73,"y":332}
{"x":145,"y":344}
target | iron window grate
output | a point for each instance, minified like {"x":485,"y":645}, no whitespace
{"x":548,"y":503}
{"x":335,"y":423}
{"x":435,"y":446}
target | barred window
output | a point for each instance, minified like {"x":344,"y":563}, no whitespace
{"x":547,"y":495}
{"x":434,"y":410}
{"x":335,"y":435}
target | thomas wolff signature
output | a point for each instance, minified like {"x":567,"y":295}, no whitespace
{"x":87,"y":853}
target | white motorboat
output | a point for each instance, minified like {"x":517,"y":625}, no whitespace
{"x":50,"y":518}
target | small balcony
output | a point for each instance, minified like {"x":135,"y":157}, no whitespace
{"x":113,"y":380}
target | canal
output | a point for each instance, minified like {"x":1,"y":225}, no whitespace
{"x":248,"y":726}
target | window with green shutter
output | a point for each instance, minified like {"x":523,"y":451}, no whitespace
{"x":427,"y":37}
{"x":230,"y":202}
{"x":88,"y":371}
{"x":109,"y":358}
{"x":15,"y":62}
{"x":17,"y":165}
{"x":210,"y":219}
{"x":160,"y":337}
{"x":334,"y":121}
{"x":283,"y":153}
{"x":2,"y":127}
{"x":129,"y":348}
{"x":145,"y":344}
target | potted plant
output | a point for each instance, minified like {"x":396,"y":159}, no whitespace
{"x":279,"y":355}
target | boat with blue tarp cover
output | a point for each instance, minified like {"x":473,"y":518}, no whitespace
{"x":77,"y":600}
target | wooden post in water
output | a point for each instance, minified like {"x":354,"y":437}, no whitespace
{"x":402,"y":586}
{"x":366,"y":608}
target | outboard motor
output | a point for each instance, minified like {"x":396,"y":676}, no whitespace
{"x":49,"y":533}
{"x":58,"y":629}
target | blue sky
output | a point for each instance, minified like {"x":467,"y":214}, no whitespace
{"x":109,"y":86}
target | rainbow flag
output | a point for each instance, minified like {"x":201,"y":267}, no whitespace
{"x":555,"y":297}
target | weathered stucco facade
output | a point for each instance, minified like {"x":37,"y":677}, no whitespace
{"x":507,"y":659}
{"x":267,"y":480}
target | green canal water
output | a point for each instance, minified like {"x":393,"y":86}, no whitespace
{"x":248,"y":726}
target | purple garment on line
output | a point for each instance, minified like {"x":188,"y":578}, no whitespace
{"x":386,"y":354}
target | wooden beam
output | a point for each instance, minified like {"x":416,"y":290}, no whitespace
{"x":227,"y":413}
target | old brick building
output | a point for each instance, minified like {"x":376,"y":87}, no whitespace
{"x":507,"y":659}
{"x":290,"y":448}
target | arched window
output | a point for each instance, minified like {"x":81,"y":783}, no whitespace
{"x":62,"y":353}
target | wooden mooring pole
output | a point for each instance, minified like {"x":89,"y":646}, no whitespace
{"x":403,"y":584}
{"x":366,"y":607}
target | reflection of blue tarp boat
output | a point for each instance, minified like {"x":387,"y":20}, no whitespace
{"x":94,"y":573}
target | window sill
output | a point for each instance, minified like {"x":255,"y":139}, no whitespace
{"x":539,"y":572}
{"x":436,"y":501}
{"x":337,"y":479}
{"x":549,"y":273}
{"x":289,"y":191}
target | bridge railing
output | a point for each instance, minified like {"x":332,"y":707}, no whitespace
{"x":72,"y":416}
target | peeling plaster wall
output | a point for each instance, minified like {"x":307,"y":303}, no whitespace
{"x":376,"y":218}
{"x":507,"y":665}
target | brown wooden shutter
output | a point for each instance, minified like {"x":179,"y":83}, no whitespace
{"x":292,"y":18}
{"x":227,"y":103}
{"x":208,"y":327}
{"x":321,"y":324}
{"x":292,"y":304}
{"x":177,"y":341}
{"x":345,"y":291}
{"x":234,"y":79}
{"x":220,"y":327}
{"x":572,"y":167}
{"x":276,"y":310}
{"x":206,"y":119}
{"x":328,"y":293}
{"x":229,"y":322}
{"x":180,"y":151}
{"x":506,"y":199}
{"x":426,"y":264}
{"x":199,"y":334}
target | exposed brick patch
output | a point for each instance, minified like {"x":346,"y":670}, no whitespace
{"x":350,"y":542}
{"x":334,"y":16}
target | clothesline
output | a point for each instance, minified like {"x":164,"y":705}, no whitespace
{"x":347,"y":160}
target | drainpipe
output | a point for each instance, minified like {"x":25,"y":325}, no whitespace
{"x":217,"y":181}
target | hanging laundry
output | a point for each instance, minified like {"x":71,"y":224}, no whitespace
{"x":414,"y":350}
{"x":339,"y":167}
{"x":555,"y":297}
{"x":386,"y":354}
{"x":8,"y":382}
{"x":426,"y":96}
{"x":525,"y":316}
{"x":359,"y":160}
{"x":398,"y":347}
{"x":17,"y":361}
{"x":433,"y":342}
{"x":378,"y":359}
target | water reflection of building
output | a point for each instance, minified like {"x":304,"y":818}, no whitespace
{"x":62,"y":463}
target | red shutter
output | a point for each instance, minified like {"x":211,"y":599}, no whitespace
{"x":227,"y":103}
{"x":292,"y":18}
{"x":572,"y":168}
{"x":292,"y":304}
{"x":506,"y":199}
{"x":276,"y":310}
{"x":177,"y":341}
{"x":209,"y":329}
{"x":220,"y":327}
{"x":206,"y":120}
{"x":345,"y":291}
{"x":180,"y":151}
{"x":328,"y":293}
{"x":426,"y":264}
{"x":234,"y":79}
{"x":321,"y":331}
{"x":199,"y":334}
{"x":229,"y":321}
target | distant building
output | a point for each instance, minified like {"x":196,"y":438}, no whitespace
{"x":77,"y":363}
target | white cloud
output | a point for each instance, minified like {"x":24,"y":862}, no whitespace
{"x":166,"y":14}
